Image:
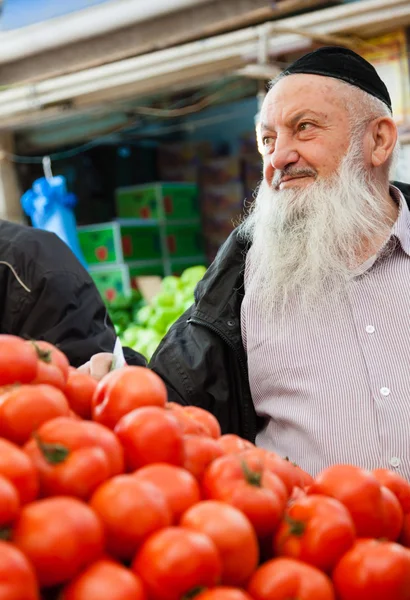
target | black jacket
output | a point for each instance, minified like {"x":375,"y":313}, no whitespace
{"x":46,"y":294}
{"x":202,"y":359}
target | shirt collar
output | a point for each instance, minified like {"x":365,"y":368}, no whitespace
{"x":401,"y":228}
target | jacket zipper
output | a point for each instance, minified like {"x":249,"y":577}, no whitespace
{"x":227,"y":341}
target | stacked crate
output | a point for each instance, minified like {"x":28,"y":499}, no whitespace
{"x":158,"y":232}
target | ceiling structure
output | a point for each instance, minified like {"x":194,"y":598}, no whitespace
{"x":82,"y":86}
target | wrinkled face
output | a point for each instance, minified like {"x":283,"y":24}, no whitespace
{"x":318,"y":206}
{"x":304,"y":131}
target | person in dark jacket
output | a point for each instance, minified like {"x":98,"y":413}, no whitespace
{"x":298,"y":339}
{"x":46,"y":294}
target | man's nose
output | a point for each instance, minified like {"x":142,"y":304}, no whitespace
{"x":284,"y":154}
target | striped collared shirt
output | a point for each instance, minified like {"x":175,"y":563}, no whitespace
{"x":335,"y":387}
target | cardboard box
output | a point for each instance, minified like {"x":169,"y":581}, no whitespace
{"x":220,"y":171}
{"x":248,"y":144}
{"x":183,"y":154}
{"x":224,"y":200}
{"x":251,"y":173}
{"x":185,"y":174}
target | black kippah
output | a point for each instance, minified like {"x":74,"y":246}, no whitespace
{"x":344,"y":64}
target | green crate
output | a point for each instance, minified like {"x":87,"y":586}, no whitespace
{"x":118,"y":242}
{"x":158,"y":201}
{"x":111,"y":280}
{"x":183,"y":240}
{"x":140,"y":241}
{"x":100,"y":244}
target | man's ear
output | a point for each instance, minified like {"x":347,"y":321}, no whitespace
{"x":383,"y":138}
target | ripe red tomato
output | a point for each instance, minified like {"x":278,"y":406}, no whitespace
{"x":130,"y":510}
{"x":150,"y":435}
{"x":248,"y":485}
{"x":105,"y":579}
{"x":60,"y":536}
{"x":24,"y":408}
{"x":74,"y":457}
{"x":188,"y":424}
{"x":232,"y":444}
{"x":233,"y":535}
{"x":175,"y":561}
{"x":362,"y":495}
{"x":396,"y":484}
{"x":121,"y":391}
{"x":291,"y":475}
{"x":18,"y":361}
{"x":199,"y":452}
{"x":52,"y":364}
{"x":405,"y":532}
{"x":373,"y":570}
{"x":393,"y":515}
{"x":401,"y":489}
{"x":179,"y":487}
{"x":9,"y":506}
{"x":79,"y":390}
{"x":207,"y":419}
{"x":17,"y":577}
{"x":286,"y":578}
{"x":223,"y":593}
{"x":317,"y":530}
{"x":18,"y":468}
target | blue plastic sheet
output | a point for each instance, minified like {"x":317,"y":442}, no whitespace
{"x":50,"y":206}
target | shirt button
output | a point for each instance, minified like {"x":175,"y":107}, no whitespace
{"x":385,"y":391}
{"x":394,"y":461}
{"x":370,"y":329}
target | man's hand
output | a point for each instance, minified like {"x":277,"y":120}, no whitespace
{"x":98,"y":366}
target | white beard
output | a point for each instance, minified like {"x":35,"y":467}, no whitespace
{"x":306,"y":242}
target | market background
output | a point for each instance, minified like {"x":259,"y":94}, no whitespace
{"x":128,"y":127}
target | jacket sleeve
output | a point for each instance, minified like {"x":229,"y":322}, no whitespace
{"x":197,"y":370}
{"x":66,"y":309}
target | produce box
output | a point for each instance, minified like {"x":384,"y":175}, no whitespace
{"x":182,"y":154}
{"x":252,"y":174}
{"x":248,"y":144}
{"x":140,"y":241}
{"x":219,"y":200}
{"x":111,"y":280}
{"x":100,"y":243}
{"x":184,"y":239}
{"x":120,"y":241}
{"x":221,"y":171}
{"x":158,"y":200}
{"x":185,"y":174}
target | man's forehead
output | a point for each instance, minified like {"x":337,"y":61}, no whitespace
{"x":302,"y":93}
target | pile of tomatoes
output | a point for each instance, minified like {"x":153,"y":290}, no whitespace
{"x":109,"y":491}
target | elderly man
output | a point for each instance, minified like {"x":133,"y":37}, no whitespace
{"x":298,"y":338}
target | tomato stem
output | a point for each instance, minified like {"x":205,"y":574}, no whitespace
{"x":194,"y":592}
{"x":252,"y":477}
{"x":5,"y":533}
{"x":53,"y":453}
{"x":44,"y":355}
{"x":296,"y":528}
{"x":291,"y":461}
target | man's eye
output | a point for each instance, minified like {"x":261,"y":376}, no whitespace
{"x":267,"y":140}
{"x":304,"y":126}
